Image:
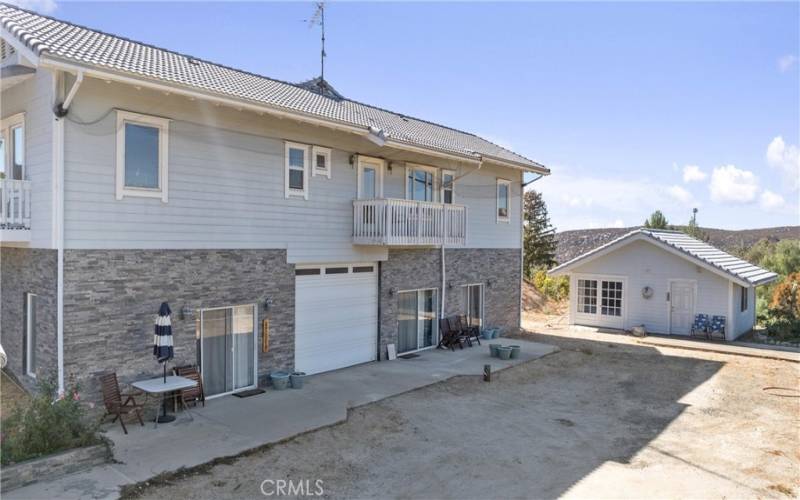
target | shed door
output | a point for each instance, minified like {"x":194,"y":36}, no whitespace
{"x":336,"y":316}
{"x":681,"y":307}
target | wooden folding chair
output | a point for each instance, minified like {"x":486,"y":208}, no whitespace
{"x":115,"y":405}
{"x":193,"y":394}
{"x":448,"y":338}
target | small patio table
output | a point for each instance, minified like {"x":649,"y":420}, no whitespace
{"x":163,"y":386}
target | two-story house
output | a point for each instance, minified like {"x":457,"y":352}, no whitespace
{"x":134,"y":175}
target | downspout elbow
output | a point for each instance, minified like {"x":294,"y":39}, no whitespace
{"x":62,"y":109}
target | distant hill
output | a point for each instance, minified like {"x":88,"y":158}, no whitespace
{"x":570,"y":244}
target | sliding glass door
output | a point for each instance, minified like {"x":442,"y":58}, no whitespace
{"x":226,"y":338}
{"x":473,"y":305}
{"x":417,"y":320}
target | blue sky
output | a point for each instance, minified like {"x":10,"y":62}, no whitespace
{"x":634,"y":106}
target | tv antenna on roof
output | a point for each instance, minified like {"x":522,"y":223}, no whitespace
{"x":319,"y":19}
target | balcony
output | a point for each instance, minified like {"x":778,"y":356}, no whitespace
{"x":394,"y":222}
{"x":15,"y":211}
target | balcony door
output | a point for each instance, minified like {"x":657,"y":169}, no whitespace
{"x":370,"y":178}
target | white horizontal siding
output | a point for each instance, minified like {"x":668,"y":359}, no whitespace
{"x":743,"y":320}
{"x":226,"y":184}
{"x":33,"y":97}
{"x":643,"y":264}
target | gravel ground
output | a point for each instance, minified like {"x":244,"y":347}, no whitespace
{"x":600,"y":419}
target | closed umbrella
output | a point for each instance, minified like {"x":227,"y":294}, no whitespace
{"x":162,"y":339}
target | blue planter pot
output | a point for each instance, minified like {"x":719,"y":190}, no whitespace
{"x":493,"y":349}
{"x":504,"y":352}
{"x":495,"y":333}
{"x":515,"y":349}
{"x":297,"y":379}
{"x":487,"y":334}
{"x":280,"y":380}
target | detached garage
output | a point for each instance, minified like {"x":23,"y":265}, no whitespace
{"x":661,"y":279}
{"x":336,"y":316}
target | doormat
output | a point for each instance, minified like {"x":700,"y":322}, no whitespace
{"x":248,"y":393}
{"x":409,"y":356}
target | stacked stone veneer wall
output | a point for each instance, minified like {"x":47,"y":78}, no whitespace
{"x":411,"y":269}
{"x":111,"y":298}
{"x":24,"y":270}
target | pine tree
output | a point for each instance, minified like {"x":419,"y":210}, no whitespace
{"x":656,"y":221}
{"x":539,"y":239}
{"x":693,"y":230}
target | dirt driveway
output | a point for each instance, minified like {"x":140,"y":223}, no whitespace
{"x":599,"y":419}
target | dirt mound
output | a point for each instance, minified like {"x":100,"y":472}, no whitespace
{"x":534,"y":302}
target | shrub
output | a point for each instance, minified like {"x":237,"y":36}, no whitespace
{"x":46,"y":424}
{"x":552,"y":288}
{"x":784,"y":329}
{"x":785,"y":302}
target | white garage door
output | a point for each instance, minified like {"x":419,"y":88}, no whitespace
{"x":336,"y":316}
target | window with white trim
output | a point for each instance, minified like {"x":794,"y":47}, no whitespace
{"x":142,"y":155}
{"x":420,"y":183}
{"x":31,"y":326}
{"x":503,"y":200}
{"x":448,"y":186}
{"x":587,"y":296}
{"x":611,"y":298}
{"x":12,"y":147}
{"x":321,"y":158}
{"x":296,"y":170}
{"x":743,"y":299}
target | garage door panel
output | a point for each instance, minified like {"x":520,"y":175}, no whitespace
{"x":335,"y":320}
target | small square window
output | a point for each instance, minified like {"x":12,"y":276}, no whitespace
{"x":142,"y":156}
{"x":322,"y":161}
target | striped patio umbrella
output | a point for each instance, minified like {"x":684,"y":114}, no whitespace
{"x":162,"y":339}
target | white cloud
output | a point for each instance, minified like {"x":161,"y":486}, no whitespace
{"x":680,"y":194}
{"x":618,"y":223}
{"x":692,"y":173}
{"x":43,"y":6}
{"x":786,"y":62}
{"x":733,"y":185}
{"x":786,"y":158}
{"x":772,"y":201}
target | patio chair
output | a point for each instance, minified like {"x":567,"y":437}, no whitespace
{"x":115,"y":405}
{"x":449,"y":338}
{"x":717,"y":327}
{"x":193,"y":394}
{"x":700,"y":326}
{"x":469,"y":331}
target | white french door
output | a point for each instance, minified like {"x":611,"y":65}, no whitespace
{"x":226,"y":345}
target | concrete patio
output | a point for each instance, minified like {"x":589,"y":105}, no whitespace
{"x":228,"y":426}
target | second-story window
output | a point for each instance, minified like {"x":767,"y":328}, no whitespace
{"x":296,"y":170}
{"x":503,"y":203}
{"x":322,"y":161}
{"x":448,"y":186}
{"x":419,"y":183}
{"x":142,"y":153}
{"x":12,"y":147}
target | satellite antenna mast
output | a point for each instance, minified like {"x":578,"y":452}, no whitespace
{"x":319,"y":18}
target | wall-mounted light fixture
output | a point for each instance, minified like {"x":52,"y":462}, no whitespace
{"x":392,"y":291}
{"x":186,"y":312}
{"x":450,"y":284}
{"x":352,"y":160}
{"x":490,"y":282}
{"x":267,"y":303}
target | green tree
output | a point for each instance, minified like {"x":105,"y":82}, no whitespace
{"x":784,"y":258}
{"x":694,"y":230}
{"x":539,"y":239}
{"x":656,"y":221}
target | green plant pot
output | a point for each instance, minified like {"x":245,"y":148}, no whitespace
{"x":493,"y":350}
{"x":504,"y":352}
{"x":297,"y":379}
{"x":515,"y":351}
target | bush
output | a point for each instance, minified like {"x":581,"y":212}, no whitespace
{"x":784,"y":329}
{"x":553,"y":288}
{"x":785,"y":303}
{"x":46,"y":424}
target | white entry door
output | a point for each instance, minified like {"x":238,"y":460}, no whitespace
{"x":681,"y":298}
{"x":336,"y":316}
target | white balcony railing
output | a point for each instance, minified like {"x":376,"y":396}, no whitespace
{"x":408,"y":223}
{"x":15,"y":204}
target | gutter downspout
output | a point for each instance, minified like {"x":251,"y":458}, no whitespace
{"x":60,"y":111}
{"x":522,"y":240}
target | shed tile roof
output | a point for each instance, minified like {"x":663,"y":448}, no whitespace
{"x":77,"y":44}
{"x":692,"y":248}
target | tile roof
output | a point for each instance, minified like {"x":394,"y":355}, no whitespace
{"x":72,"y":43}
{"x":693,"y":249}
